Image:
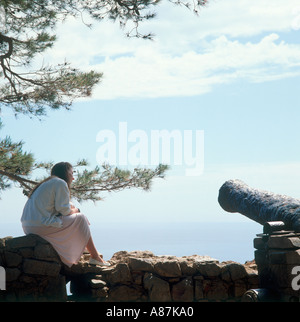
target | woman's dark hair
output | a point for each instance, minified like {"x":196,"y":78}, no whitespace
{"x":59,"y":170}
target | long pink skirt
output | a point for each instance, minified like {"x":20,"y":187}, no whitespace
{"x":69,"y":241}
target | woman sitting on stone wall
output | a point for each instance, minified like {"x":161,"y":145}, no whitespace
{"x":49,"y":214}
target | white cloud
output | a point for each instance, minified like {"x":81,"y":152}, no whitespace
{"x":190,"y":54}
{"x":150,"y":73}
{"x":243,"y":18}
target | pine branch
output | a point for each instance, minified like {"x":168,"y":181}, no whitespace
{"x":89,"y":184}
{"x":18,"y":166}
{"x":24,"y":183}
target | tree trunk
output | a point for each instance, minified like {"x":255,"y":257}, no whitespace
{"x":258,"y":205}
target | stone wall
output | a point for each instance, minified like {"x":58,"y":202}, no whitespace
{"x":34,"y":272}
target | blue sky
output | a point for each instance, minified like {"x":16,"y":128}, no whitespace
{"x":232,"y":72}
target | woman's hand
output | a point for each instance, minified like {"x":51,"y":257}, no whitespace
{"x":74,"y":210}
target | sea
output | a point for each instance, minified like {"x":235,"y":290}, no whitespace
{"x":222,"y":241}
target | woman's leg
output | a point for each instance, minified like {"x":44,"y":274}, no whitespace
{"x":93,"y":251}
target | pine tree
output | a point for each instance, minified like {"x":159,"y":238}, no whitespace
{"x":27,"y":29}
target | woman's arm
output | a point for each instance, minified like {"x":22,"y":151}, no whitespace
{"x":62,"y":198}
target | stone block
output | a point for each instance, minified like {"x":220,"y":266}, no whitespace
{"x":199,"y":295}
{"x":120,"y":275}
{"x":12,"y":274}
{"x":45,"y":251}
{"x":20,"y":242}
{"x":158,"y":289}
{"x":259,"y":243}
{"x":3,"y":241}
{"x":26,"y":252}
{"x":208,"y":269}
{"x":125,"y":293}
{"x":140,"y":264}
{"x":284,"y":257}
{"x":168,"y":268}
{"x":187,"y":267}
{"x":283,"y":242}
{"x":1,"y":258}
{"x":183,"y":291}
{"x":137,"y":277}
{"x":100,"y":293}
{"x":12,"y":259}
{"x":217,"y":291}
{"x":55,"y":289}
{"x":225,"y":274}
{"x":237,"y":271}
{"x":240,"y":288}
{"x":261,"y":258}
{"x":96,"y":283}
{"x":37,"y":267}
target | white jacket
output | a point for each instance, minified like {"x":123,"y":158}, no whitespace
{"x":50,"y":200}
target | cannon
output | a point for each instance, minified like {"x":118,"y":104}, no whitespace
{"x":259,"y":205}
{"x":277,"y":249}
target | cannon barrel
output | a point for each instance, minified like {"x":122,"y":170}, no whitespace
{"x":259,"y":205}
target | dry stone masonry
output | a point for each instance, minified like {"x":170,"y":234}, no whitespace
{"x":278,"y":259}
{"x":34,"y":272}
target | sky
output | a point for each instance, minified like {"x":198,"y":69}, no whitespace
{"x":225,"y":83}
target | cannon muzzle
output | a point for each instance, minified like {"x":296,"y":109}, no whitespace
{"x":259,"y":205}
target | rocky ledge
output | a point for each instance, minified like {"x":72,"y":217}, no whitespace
{"x":34,"y":272}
